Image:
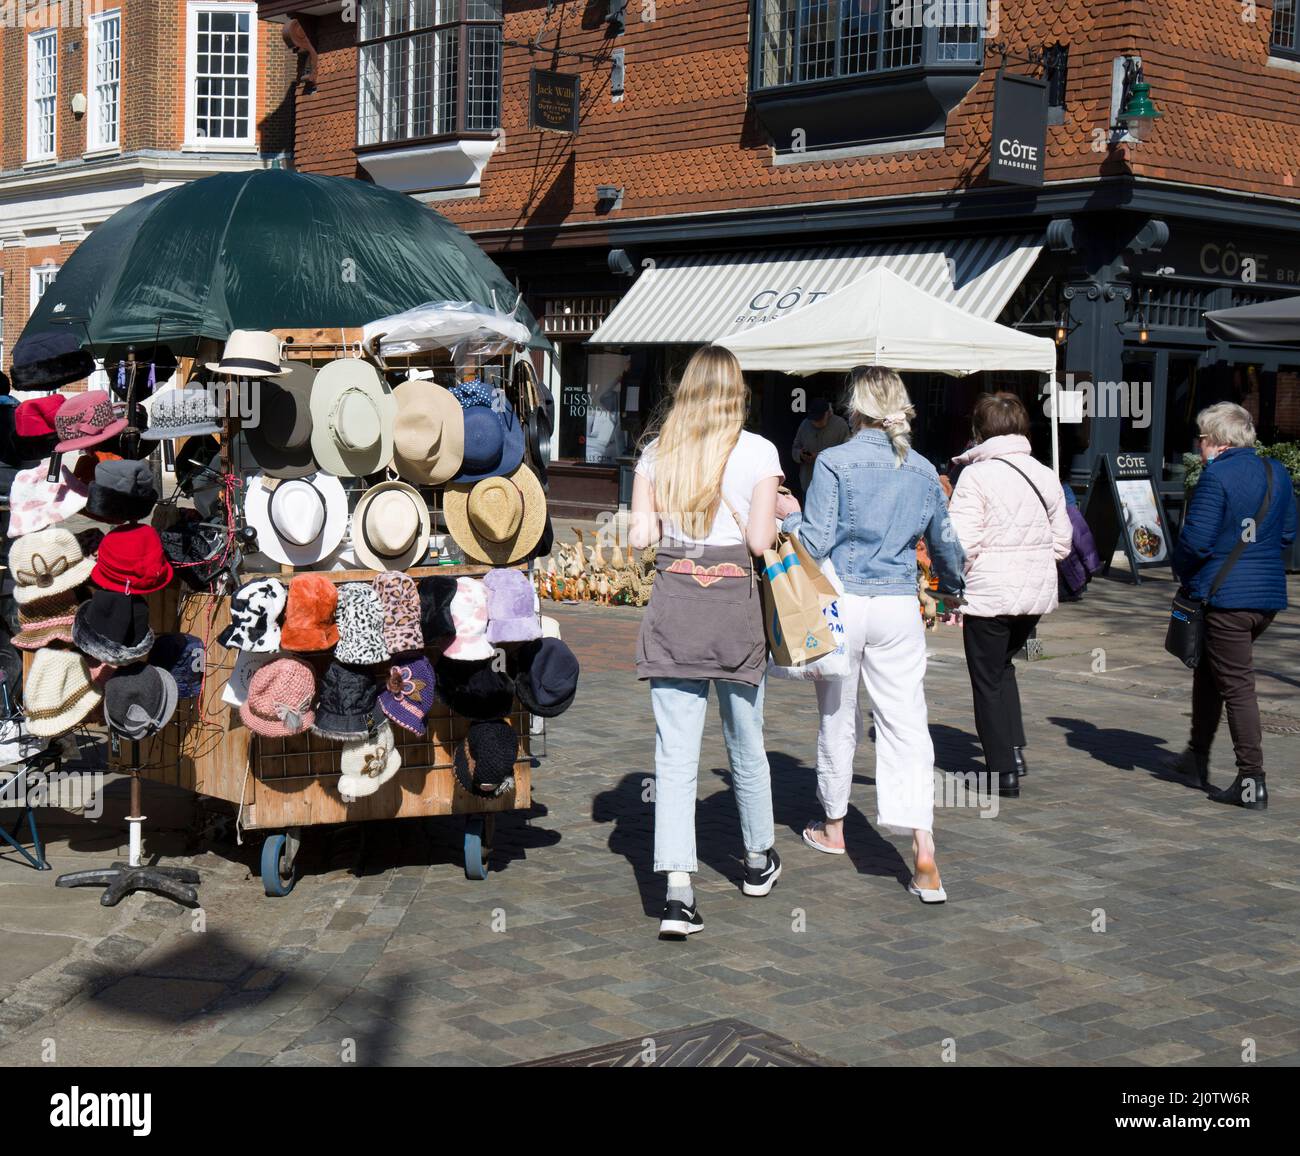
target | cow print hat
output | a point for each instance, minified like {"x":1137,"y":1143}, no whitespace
{"x":255,"y":611}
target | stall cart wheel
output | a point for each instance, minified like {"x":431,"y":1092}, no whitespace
{"x":278,"y":855}
{"x":478,"y":844}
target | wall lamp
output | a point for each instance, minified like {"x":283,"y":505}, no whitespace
{"x":1134,"y":113}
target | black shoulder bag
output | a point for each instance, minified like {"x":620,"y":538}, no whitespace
{"x":1185,"y":639}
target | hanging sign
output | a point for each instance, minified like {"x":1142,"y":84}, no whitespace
{"x":1019,"y":146}
{"x":553,"y":99}
{"x":1124,"y":510}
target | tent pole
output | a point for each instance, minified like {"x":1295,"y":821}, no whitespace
{"x":1056,"y":423}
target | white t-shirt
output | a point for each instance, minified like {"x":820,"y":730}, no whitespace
{"x":753,"y":459}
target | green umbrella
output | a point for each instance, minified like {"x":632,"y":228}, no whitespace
{"x":268,"y":249}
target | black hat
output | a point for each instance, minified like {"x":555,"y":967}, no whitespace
{"x":545,"y":543}
{"x":49,"y":360}
{"x":546,"y":676}
{"x":485,"y":758}
{"x":139,"y":702}
{"x":198,"y":552}
{"x":123,"y":491}
{"x":347,"y":702}
{"x":198,"y":473}
{"x":436,"y":593}
{"x":280,"y":443}
{"x":113,"y":627}
{"x":474,"y":689}
{"x":818,"y":408}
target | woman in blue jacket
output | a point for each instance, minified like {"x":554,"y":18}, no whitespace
{"x":1222,"y":510}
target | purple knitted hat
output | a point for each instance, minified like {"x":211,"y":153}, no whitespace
{"x":512,"y":616}
{"x":407,"y":696}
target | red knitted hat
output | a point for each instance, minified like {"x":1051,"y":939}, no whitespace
{"x":35,"y":418}
{"x":131,"y":561}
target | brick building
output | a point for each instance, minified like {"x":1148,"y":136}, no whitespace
{"x":736,"y":159}
{"x":107,"y":101}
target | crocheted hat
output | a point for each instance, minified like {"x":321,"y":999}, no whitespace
{"x":367,"y":764}
{"x":46,"y":621}
{"x":485,"y":758}
{"x":280,"y":697}
{"x":58,"y":692}
{"x":46,"y":563}
{"x":407,"y":697}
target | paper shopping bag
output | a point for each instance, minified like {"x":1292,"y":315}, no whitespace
{"x":793,"y":595}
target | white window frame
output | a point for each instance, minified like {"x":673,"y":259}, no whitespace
{"x":224,"y":144}
{"x":94,"y":127}
{"x":38,"y":275}
{"x":34,"y":152}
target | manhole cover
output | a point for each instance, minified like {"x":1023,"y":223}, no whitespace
{"x":721,"y":1044}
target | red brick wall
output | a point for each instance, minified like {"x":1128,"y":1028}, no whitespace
{"x":683,"y":140}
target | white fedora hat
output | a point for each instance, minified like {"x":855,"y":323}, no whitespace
{"x":249,"y":353}
{"x":352,"y":412}
{"x":390,"y":527}
{"x":298,"y":521}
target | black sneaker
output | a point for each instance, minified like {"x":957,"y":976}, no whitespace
{"x":761,"y":880}
{"x":679,"y":920}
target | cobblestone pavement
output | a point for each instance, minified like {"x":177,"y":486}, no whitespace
{"x":1110,"y":915}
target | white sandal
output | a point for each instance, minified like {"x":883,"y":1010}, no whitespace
{"x":927,"y":894}
{"x":819,"y":825}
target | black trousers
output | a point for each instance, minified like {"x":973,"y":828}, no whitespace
{"x":991,"y":644}
{"x":1226,"y":676}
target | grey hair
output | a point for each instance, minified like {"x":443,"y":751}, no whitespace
{"x":876,"y":396}
{"x":1226,"y":424}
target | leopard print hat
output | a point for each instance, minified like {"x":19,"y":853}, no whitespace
{"x":361,"y":625}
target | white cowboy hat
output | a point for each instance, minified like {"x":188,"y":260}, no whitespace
{"x":390,"y":527}
{"x":352,"y":412}
{"x":249,"y":353}
{"x":298,"y":521}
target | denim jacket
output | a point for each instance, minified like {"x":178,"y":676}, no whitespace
{"x":867,"y":513}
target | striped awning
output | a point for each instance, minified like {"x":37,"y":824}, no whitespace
{"x":696,"y":299}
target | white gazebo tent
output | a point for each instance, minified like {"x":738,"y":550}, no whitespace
{"x":883,"y":319}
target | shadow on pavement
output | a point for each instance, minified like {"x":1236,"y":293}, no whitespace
{"x":1124,"y":750}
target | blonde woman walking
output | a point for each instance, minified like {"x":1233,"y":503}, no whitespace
{"x":707,"y":489}
{"x":870,"y":501}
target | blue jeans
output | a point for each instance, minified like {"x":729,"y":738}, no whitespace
{"x":680,"y":705}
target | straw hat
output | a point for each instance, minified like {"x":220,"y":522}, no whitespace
{"x":390,"y":527}
{"x":58,"y":692}
{"x":499,"y":519}
{"x":249,"y":353}
{"x":298,"y":520}
{"x":428,"y":433}
{"x":352,"y":412}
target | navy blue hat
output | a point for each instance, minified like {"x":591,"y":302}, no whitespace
{"x":49,"y":360}
{"x":183,"y":656}
{"x":494,"y":437}
{"x":546,"y":676}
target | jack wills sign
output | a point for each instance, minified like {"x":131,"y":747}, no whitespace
{"x":553,"y":100}
{"x":1019,"y":130}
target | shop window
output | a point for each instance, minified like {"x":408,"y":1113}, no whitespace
{"x":1283,"y":39}
{"x":837,"y":73}
{"x":221,"y":75}
{"x":428,"y":68}
{"x":104,"y":63}
{"x":1286,"y":413}
{"x":42,"y":93}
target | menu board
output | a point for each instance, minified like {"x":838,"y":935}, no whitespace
{"x":1124,"y":511}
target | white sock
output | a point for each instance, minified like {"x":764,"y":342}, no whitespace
{"x":755,"y":858}
{"x":679,"y":887}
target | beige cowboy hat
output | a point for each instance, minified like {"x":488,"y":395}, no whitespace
{"x":428,"y":433}
{"x":390,"y":527}
{"x":352,"y":411}
{"x":498,"y":520}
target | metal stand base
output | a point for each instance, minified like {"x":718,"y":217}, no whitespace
{"x":36,"y":856}
{"x":122,"y":879}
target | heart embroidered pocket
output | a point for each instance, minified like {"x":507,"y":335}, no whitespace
{"x":706,"y":576}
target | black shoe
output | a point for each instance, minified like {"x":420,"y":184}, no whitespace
{"x":760,"y":880}
{"x":1246,"y":791}
{"x":1194,"y":763}
{"x":679,"y":920}
{"x":1009,"y":784}
{"x":1022,"y":767}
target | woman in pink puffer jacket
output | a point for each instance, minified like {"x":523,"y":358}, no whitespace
{"x":1009,"y":513}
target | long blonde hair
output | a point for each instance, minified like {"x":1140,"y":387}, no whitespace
{"x":698,"y":433}
{"x":877,"y":397}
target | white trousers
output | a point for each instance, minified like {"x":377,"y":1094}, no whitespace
{"x":886,"y":642}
